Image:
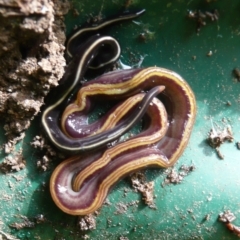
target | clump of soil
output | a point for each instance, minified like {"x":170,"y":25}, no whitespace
{"x":141,"y":185}
{"x":14,"y":162}
{"x":31,"y":60}
{"x":25,"y":222}
{"x":50,"y":154}
{"x":217,"y":136}
{"x":177,"y":176}
{"x":227,"y":217}
{"x":87,"y":222}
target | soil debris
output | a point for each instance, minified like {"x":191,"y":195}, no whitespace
{"x":175,"y":177}
{"x":25,"y":223}
{"x":217,"y":136}
{"x":87,"y":222}
{"x":39,"y":142}
{"x":6,"y":236}
{"x":12,"y":163}
{"x":201,"y":17}
{"x":10,"y":145}
{"x":228,"y":217}
{"x":123,"y":207}
{"x":32,"y":60}
{"x":140,"y":184}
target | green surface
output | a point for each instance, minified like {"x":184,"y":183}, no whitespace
{"x":211,"y":188}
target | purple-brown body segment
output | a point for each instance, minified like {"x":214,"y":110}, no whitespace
{"x":76,"y":184}
{"x":124,"y":83}
{"x":77,"y":126}
{"x":80,"y":184}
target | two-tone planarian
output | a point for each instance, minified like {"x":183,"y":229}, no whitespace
{"x":80,"y":184}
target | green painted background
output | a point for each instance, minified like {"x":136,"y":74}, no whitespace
{"x":211,"y":188}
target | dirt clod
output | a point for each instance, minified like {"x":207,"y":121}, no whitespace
{"x":140,"y":184}
{"x":31,"y":60}
{"x":87,"y":222}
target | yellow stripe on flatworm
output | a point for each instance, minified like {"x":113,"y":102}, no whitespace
{"x":122,"y":88}
{"x":117,"y":115}
{"x":110,"y":153}
{"x":149,"y":160}
{"x":108,"y":182}
{"x":152,"y":160}
{"x":119,"y":112}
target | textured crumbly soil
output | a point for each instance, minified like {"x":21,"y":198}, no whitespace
{"x":31,"y":60}
{"x":140,"y":184}
{"x":87,"y":222}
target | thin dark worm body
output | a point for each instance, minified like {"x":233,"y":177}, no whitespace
{"x":120,"y":117}
{"x":77,"y":36}
{"x":72,"y":77}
